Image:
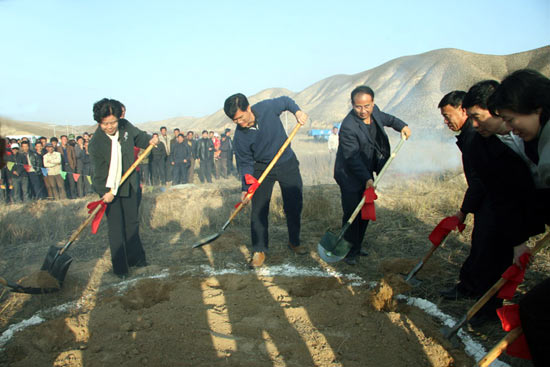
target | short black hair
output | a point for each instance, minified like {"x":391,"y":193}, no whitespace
{"x":79,"y":137}
{"x":53,"y":138}
{"x":176,"y":129}
{"x":42,"y":137}
{"x":362,"y":89}
{"x":107,"y":107}
{"x":162,"y":127}
{"x":190,"y":132}
{"x":24,"y":142}
{"x":479,"y":93}
{"x":524,"y":91}
{"x":205,"y":131}
{"x":454,"y":98}
{"x":183,"y":136}
{"x":63,"y":136}
{"x":235,"y":102}
{"x":155,"y":134}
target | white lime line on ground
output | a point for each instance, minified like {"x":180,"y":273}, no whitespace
{"x":472,"y":348}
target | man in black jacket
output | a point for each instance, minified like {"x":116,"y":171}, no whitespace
{"x":180,"y":156}
{"x":158,"y":163}
{"x":112,"y":153}
{"x":505,"y":217}
{"x":205,"y":154}
{"x":363,"y":149}
{"x":19,"y":178}
{"x":190,"y":141}
{"x":258,"y":138}
{"x":33,"y":163}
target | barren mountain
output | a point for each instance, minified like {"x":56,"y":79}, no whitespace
{"x":409,"y":87}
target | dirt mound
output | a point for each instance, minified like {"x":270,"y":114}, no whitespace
{"x":234,"y":320}
{"x":40,"y":279}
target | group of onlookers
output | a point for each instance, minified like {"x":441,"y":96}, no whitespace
{"x":54,"y":168}
{"x":178,"y":158}
{"x":61,"y":168}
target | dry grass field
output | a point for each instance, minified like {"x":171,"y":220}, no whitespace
{"x":202,"y":307}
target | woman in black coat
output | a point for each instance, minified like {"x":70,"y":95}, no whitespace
{"x":112,"y":153}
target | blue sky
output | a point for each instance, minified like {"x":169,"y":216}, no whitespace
{"x":183,"y":58}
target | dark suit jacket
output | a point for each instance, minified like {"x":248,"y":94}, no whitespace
{"x":358,"y":156}
{"x":71,"y":155}
{"x":100,"y":156}
{"x":476,"y":192}
{"x":510,"y":189}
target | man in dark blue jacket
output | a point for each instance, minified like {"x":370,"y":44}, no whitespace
{"x":180,"y":156}
{"x":363,"y":148}
{"x":258,"y":138}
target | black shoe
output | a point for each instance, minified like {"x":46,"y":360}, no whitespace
{"x":454,"y":294}
{"x":352,"y":260}
{"x":363,"y":253}
{"x":481,"y":318}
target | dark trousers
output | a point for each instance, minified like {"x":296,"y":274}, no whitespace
{"x":168,"y":168}
{"x":20,"y":188}
{"x":145,"y":174}
{"x":290,"y":181}
{"x":535,"y":321}
{"x":70,"y":185}
{"x":123,"y":220}
{"x":357,"y":229}
{"x":191,"y":171}
{"x":205,"y":172}
{"x":490,"y":255}
{"x":36,"y":185}
{"x":179,"y":173}
{"x":223,"y":163}
{"x":158,"y":168}
{"x":213,"y":168}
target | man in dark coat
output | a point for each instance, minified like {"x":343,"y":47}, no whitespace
{"x":258,"y":138}
{"x":158,"y":163}
{"x":180,"y":156}
{"x":33,"y":163}
{"x":112,"y":153}
{"x":69,"y":165}
{"x":363,"y":149}
{"x":19,"y":178}
{"x":192,"y":143}
{"x":505,"y":218}
{"x":205,"y":154}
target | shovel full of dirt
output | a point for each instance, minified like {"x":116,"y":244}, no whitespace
{"x":333,"y":247}
{"x":56,"y":264}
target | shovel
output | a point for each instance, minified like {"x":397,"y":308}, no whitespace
{"x":410,"y":278}
{"x":211,"y":238}
{"x":333,"y":247}
{"x":450,"y":332}
{"x":57,"y":262}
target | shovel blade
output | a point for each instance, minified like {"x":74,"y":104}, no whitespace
{"x":331,"y":249}
{"x":207,"y":240}
{"x":57,"y":265}
{"x":412,"y":280}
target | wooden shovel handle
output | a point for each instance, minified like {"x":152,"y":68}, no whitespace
{"x":500,"y":347}
{"x":268,"y":168}
{"x":500,"y":283}
{"x":84,"y":224}
{"x":377,"y":179}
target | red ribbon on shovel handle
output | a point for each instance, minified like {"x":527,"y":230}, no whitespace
{"x":99,"y":215}
{"x":444,"y":228}
{"x":368,"y":211}
{"x":254,"y":184}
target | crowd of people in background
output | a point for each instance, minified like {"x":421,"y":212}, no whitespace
{"x":60,"y":168}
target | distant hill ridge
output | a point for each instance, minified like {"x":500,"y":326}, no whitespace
{"x":409,"y":87}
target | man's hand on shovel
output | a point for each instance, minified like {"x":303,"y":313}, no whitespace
{"x":301,"y":117}
{"x":245,"y":199}
{"x":406,"y":133}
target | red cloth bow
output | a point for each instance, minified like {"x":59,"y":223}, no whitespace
{"x":444,"y":228}
{"x":76,"y":176}
{"x":368,"y":211}
{"x":254,"y":184}
{"x":509,"y":317}
{"x":27,"y":167}
{"x":97,"y":219}
{"x":514,"y":275}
